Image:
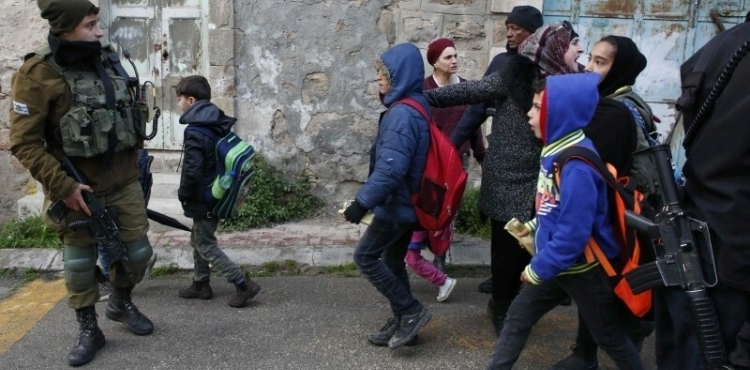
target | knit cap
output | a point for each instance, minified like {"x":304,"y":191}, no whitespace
{"x":64,"y":15}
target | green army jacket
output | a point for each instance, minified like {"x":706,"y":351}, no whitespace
{"x":40,"y":98}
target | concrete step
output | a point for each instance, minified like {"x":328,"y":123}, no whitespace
{"x":165,"y":185}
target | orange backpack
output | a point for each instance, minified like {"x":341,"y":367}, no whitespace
{"x":622,"y":197}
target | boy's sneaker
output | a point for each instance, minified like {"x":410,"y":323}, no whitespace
{"x":381,"y":337}
{"x":408,"y":327}
{"x":105,"y":289}
{"x":245,"y":292}
{"x":149,"y":266}
{"x":198,"y":289}
{"x":445,"y":290}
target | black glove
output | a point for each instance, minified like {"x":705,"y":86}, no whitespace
{"x":354,"y":213}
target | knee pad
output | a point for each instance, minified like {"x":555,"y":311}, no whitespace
{"x":139,"y":251}
{"x":80,"y":268}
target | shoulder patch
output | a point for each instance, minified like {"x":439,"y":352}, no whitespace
{"x":21,"y":108}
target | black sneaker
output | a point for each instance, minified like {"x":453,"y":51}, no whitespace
{"x":486,"y":286}
{"x":408,"y":328}
{"x":381,"y":337}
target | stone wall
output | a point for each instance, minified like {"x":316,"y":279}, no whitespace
{"x":21,"y":31}
{"x":298,"y":74}
{"x":306,"y":95}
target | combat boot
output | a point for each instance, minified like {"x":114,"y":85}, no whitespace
{"x":121,"y":309}
{"x":246,"y":290}
{"x":90,"y":337}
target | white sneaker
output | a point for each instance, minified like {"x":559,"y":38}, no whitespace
{"x":149,"y":266}
{"x":445,"y":290}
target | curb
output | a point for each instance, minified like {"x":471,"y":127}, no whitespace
{"x":313,"y":244}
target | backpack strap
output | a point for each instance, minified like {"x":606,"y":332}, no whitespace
{"x":204,"y":131}
{"x":414,"y":104}
{"x":593,"y":251}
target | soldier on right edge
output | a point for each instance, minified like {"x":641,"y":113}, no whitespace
{"x":68,"y":101}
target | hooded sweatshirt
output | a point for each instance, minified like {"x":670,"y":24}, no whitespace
{"x":199,"y":163}
{"x":399,"y":153}
{"x":569,"y":216}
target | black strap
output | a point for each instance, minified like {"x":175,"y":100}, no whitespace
{"x":590,"y":157}
{"x":109,"y":95}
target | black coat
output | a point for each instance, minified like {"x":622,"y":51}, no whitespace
{"x":199,"y":156}
{"x":717,"y":169}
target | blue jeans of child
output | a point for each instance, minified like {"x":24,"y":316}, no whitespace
{"x":380,"y":257}
{"x":600,"y":308}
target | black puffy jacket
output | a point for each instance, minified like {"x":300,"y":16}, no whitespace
{"x":199,"y":156}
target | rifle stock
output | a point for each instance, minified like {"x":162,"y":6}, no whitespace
{"x":684,"y":256}
{"x":102,"y":224}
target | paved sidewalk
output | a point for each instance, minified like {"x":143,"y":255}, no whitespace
{"x":316,"y":242}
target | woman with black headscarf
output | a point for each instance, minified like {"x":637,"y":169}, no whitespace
{"x":616,"y":134}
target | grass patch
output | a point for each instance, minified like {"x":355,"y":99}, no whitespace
{"x":164,"y":270}
{"x":275,"y":268}
{"x":29,"y":232}
{"x":468,"y":221}
{"x":348,"y":269}
{"x":5,"y":272}
{"x":273,"y":199}
{"x":31,"y":275}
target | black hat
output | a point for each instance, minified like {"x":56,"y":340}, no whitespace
{"x":64,"y":15}
{"x":528,"y":17}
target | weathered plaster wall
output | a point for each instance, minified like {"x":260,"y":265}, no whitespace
{"x":21,"y":31}
{"x":306,"y":95}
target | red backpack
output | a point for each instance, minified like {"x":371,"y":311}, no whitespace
{"x":443,"y":181}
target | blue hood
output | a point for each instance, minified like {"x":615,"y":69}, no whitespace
{"x":404,"y":63}
{"x":570,"y":101}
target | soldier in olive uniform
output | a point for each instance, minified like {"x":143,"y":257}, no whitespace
{"x":69,"y":101}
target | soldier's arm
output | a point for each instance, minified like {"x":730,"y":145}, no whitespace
{"x":28,"y":116}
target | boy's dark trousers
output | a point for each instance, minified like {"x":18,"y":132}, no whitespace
{"x":592,"y":292}
{"x":380,"y":257}
{"x":206,"y":250}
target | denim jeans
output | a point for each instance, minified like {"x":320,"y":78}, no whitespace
{"x":205,"y":251}
{"x":592,"y":292}
{"x":380,"y":257}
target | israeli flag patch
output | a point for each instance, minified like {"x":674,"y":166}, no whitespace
{"x":21,"y":108}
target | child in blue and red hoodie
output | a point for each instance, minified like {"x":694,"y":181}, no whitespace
{"x":566,"y":219}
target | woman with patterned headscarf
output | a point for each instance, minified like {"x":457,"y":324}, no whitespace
{"x":511,"y":164}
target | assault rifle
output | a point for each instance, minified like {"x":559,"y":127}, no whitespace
{"x":684,"y":257}
{"x":103,"y":223}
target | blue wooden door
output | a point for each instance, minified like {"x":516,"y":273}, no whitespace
{"x":666,"y":31}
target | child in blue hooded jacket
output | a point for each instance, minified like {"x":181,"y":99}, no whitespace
{"x":397,"y":160}
{"x":566,"y":219}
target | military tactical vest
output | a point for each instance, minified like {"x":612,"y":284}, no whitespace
{"x":84,"y":128}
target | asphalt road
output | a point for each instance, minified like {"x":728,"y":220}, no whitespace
{"x":296,"y":322}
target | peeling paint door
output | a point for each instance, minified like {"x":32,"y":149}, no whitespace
{"x":667,"y":32}
{"x":167,"y":40}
